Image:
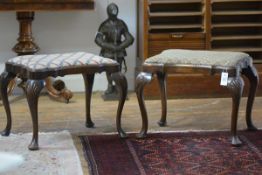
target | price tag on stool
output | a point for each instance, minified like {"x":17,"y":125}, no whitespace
{"x":224,"y":78}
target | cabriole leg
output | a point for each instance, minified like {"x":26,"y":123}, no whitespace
{"x":162,"y":84}
{"x":235,"y":85}
{"x":5,"y":79}
{"x":121,"y":84}
{"x":253,"y":78}
{"x":33,"y":89}
{"x":89,"y":81}
{"x":141,"y":80}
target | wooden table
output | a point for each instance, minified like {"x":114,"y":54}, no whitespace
{"x":25,"y":11}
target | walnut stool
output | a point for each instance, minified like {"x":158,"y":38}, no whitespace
{"x":179,"y":61}
{"x":35,"y":68}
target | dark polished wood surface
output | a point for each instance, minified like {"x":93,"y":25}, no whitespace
{"x":35,"y":5}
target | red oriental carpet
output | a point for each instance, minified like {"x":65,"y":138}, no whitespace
{"x":174,"y":153}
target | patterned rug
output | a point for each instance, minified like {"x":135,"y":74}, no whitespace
{"x":173,"y":153}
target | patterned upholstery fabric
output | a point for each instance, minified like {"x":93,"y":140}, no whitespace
{"x":57,"y":61}
{"x":197,"y":57}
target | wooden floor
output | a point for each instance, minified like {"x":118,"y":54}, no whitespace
{"x":183,"y":114}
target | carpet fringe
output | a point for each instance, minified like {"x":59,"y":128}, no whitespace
{"x":80,"y":152}
{"x":155,"y":132}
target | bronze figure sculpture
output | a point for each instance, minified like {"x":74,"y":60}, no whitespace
{"x":113,"y":37}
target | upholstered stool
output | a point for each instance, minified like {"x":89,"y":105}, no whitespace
{"x":230,"y":64}
{"x":35,"y":68}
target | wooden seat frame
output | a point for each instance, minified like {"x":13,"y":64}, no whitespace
{"x":35,"y":83}
{"x":235,"y":86}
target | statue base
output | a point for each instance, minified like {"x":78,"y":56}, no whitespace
{"x":112,"y":96}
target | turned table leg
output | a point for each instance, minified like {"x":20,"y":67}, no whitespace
{"x":142,"y":79}
{"x":121,"y":84}
{"x":235,"y":85}
{"x":162,"y":84}
{"x":251,"y":74}
{"x":5,"y":79}
{"x":89,"y":81}
{"x":33,"y":89}
{"x":25,"y":43}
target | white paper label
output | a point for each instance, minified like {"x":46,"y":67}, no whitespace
{"x":224,"y":78}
